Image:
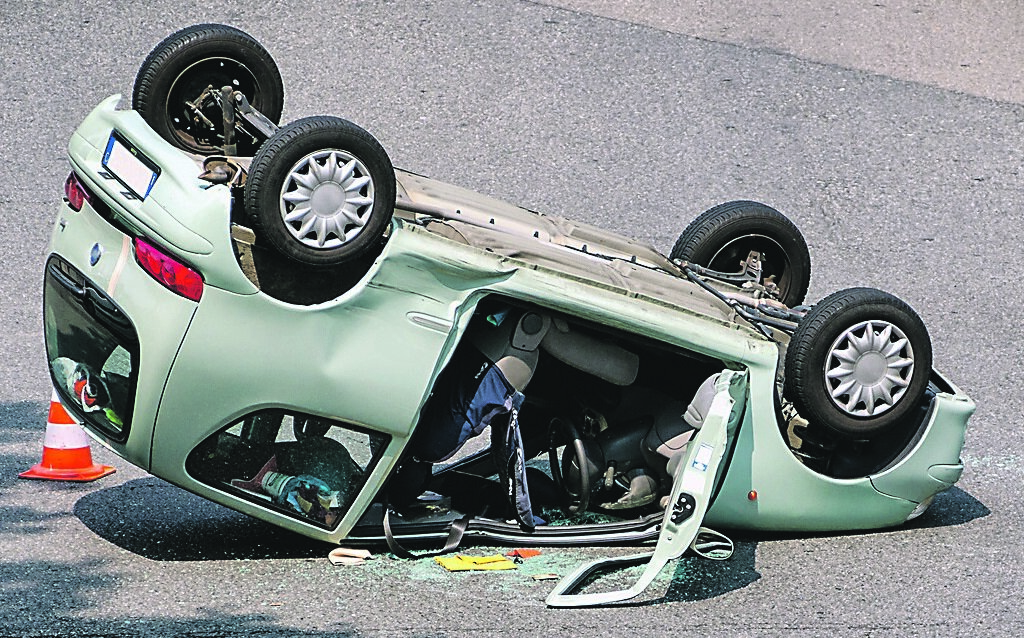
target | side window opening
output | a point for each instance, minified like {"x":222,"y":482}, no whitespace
{"x":308,"y":467}
{"x":599,"y":414}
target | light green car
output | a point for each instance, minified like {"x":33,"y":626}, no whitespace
{"x":276,"y":319}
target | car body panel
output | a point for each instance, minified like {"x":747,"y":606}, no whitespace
{"x":398,"y":297}
{"x":934,"y":454}
{"x":455,"y":203}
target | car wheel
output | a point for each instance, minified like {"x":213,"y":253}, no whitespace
{"x":321,"y":190}
{"x":858,"y":363}
{"x":722,"y":237}
{"x":169,"y":88}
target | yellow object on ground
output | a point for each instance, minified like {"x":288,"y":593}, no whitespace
{"x":460,"y":563}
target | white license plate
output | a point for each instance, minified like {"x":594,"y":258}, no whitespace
{"x":129,"y":166}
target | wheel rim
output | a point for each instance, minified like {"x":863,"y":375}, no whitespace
{"x":869,"y":368}
{"x":774,"y":261}
{"x":327,"y":199}
{"x":189,"y":85}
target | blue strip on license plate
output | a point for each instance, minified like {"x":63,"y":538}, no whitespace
{"x":129,"y":166}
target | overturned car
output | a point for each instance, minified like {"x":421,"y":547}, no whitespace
{"x":276,"y":319}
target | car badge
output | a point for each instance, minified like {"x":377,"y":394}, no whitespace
{"x":95,"y":254}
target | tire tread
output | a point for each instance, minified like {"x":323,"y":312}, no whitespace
{"x":151,"y":72}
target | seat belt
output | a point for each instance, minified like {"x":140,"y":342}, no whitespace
{"x":455,"y":534}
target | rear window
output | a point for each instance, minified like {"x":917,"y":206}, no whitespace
{"x":92,"y":349}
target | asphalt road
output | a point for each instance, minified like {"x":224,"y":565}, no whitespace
{"x":890,"y":132}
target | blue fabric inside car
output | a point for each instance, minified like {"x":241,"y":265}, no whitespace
{"x":464,"y":408}
{"x":471,"y":394}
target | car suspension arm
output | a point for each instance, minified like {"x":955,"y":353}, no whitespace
{"x":254,"y":118}
{"x":239,"y":115}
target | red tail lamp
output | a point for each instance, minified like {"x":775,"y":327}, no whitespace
{"x":171,"y":273}
{"x":76,"y":192}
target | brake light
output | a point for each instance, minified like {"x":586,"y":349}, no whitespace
{"x":171,"y":273}
{"x":76,"y":192}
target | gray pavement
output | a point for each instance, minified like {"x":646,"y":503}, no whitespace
{"x":889,"y":131}
{"x":968,"y":47}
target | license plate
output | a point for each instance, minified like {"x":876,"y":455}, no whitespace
{"x":128,"y":165}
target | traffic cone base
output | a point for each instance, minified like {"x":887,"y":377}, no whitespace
{"x":66,"y":453}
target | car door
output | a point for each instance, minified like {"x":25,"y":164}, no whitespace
{"x":695,"y":477}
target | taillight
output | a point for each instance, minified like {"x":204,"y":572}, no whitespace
{"x":171,"y":273}
{"x":76,"y":192}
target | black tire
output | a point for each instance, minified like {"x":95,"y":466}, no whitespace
{"x":826,"y":392}
{"x":272,"y":188}
{"x":723,"y":236}
{"x":184,"y":64}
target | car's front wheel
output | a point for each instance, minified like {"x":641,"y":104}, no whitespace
{"x":321,"y":191}
{"x":858,"y":362}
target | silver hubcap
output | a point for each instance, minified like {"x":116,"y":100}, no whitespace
{"x":327,"y":199}
{"x":868,"y":368}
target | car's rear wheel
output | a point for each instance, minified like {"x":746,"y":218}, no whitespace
{"x":858,"y":363}
{"x":171,"y":87}
{"x":722,"y":237}
{"x":321,"y":190}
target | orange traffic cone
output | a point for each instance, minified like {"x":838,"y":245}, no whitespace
{"x":66,"y":453}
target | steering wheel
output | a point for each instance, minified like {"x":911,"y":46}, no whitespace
{"x":309,"y":428}
{"x":559,"y":431}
